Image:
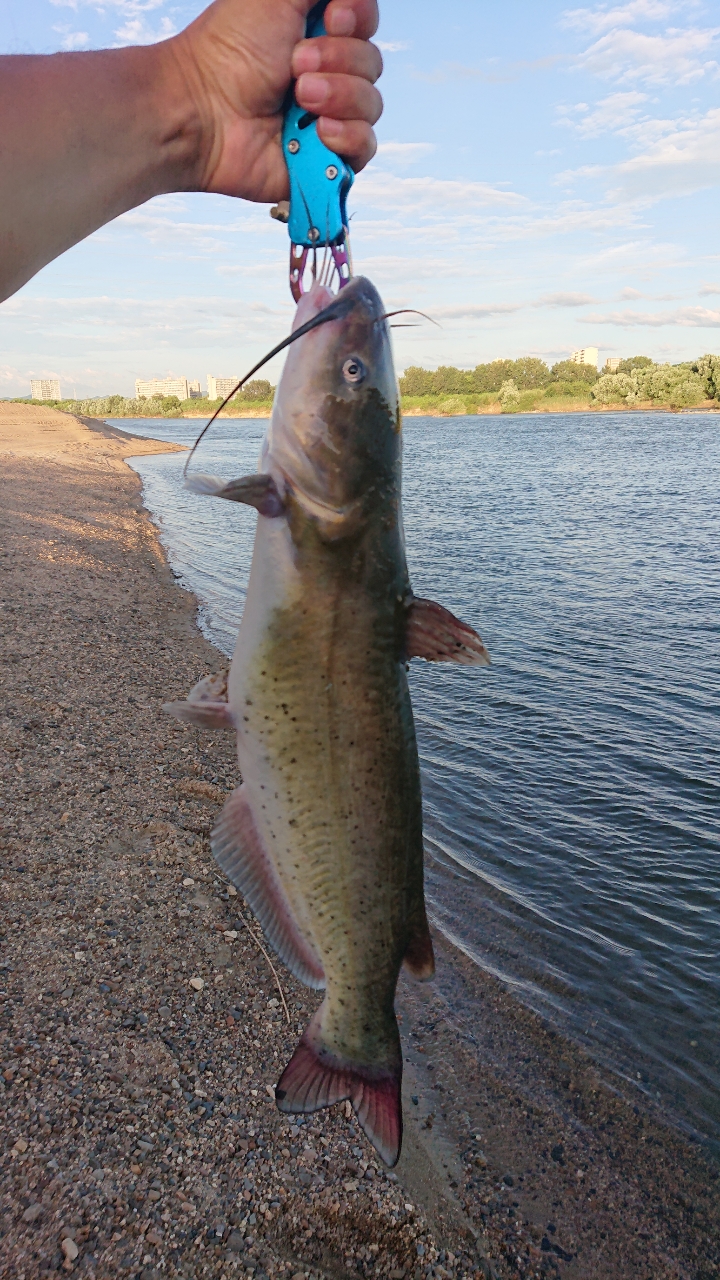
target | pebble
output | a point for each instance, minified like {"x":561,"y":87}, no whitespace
{"x":32,"y":1213}
{"x":58,"y":1039}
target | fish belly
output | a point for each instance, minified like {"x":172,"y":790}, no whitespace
{"x":327,"y":752}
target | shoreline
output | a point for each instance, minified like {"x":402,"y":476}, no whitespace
{"x":484,"y":411}
{"x":107,"y":808}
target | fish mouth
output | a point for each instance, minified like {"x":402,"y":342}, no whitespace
{"x":319,"y":306}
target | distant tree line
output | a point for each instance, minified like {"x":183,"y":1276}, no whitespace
{"x":528,"y":374}
{"x":514,"y":385}
{"x":258,"y":392}
{"x":517,"y":384}
{"x":679,"y":385}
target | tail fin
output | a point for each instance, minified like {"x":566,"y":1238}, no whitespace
{"x":314,"y":1078}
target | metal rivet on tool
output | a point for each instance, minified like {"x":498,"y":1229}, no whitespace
{"x":331,"y":172}
{"x":293,"y":146}
{"x":314,"y":234}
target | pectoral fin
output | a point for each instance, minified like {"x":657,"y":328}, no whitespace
{"x":206,"y":705}
{"x":259,"y":491}
{"x":435,"y":634}
{"x":207,"y":715}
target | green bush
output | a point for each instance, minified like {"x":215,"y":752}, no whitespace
{"x":558,"y":389}
{"x":708,"y":367}
{"x":569,"y":371}
{"x":635,"y":363}
{"x":509,"y":397}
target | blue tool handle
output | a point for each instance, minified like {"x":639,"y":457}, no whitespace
{"x":319,"y":179}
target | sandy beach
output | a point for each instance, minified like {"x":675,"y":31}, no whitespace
{"x":143,"y":1023}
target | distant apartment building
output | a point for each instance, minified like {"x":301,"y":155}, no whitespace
{"x":45,"y":389}
{"x":587,"y":355}
{"x":612,"y":364}
{"x":194,"y":391}
{"x":219,"y":388}
{"x":146,"y":388}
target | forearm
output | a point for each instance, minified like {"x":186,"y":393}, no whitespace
{"x":83,"y":138}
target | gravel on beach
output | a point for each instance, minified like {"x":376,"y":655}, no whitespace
{"x":144,"y":1023}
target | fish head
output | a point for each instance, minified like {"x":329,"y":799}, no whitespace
{"x":334,"y":438}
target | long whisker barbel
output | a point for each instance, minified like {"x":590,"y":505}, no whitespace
{"x":337,"y":308}
{"x":408,"y":311}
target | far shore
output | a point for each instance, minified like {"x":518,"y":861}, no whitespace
{"x":494,"y":410}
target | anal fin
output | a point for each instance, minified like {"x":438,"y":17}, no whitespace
{"x":241,"y":854}
{"x":435,"y":634}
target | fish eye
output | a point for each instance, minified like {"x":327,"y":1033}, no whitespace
{"x":354,"y":371}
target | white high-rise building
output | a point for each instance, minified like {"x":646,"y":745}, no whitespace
{"x":194,"y":390}
{"x":612,"y":364}
{"x":219,"y":388}
{"x":45,"y":389}
{"x":587,"y":355}
{"x":145,"y":388}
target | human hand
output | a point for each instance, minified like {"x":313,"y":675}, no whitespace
{"x":237,"y":60}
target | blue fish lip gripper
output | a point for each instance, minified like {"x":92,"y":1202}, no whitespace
{"x":319,"y":186}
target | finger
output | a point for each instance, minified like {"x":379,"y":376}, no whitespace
{"x":352,"y":18}
{"x":339,"y":97}
{"x":354,"y":140}
{"x":338,"y":55}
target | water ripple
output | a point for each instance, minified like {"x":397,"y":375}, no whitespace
{"x":572,"y":791}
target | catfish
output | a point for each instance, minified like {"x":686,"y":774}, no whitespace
{"x":324,"y":836}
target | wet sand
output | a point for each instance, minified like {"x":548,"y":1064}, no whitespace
{"x":142,"y":1025}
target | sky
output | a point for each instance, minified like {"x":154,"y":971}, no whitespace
{"x":547,"y":179}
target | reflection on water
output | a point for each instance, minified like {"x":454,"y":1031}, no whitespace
{"x":571,"y":792}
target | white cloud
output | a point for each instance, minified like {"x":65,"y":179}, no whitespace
{"x":603,"y":19}
{"x":125,"y":8}
{"x":564,"y":300}
{"x":686,"y":159}
{"x":432,"y":198}
{"x":710,"y":288}
{"x":611,"y":115}
{"x":139,"y":31}
{"x":393,"y":46}
{"x":103,"y":323}
{"x":404,"y":153}
{"x":72,"y":39}
{"x":684,"y":317}
{"x":449,"y":71}
{"x":677,"y":57}
{"x":76,"y":40}
{"x":475,"y":311}
{"x":136,"y":29}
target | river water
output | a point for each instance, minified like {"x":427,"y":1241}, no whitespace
{"x":572,"y":791}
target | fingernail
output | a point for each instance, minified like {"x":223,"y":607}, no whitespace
{"x":306,"y":58}
{"x":312,"y":91}
{"x":340,"y":21}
